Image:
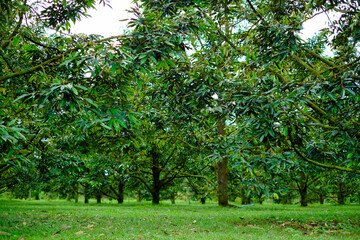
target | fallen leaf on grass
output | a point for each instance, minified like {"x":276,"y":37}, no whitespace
{"x":79,"y":232}
{"x":194,"y":221}
{"x":24,"y":222}
{"x":21,"y":238}
{"x":5,"y":233}
{"x":64,"y":227}
{"x":140,"y":236}
{"x":90,"y":226}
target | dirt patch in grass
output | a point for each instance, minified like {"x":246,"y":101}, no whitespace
{"x":309,"y":227}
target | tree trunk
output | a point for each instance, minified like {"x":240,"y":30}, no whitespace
{"x":172,"y":197}
{"x":120,"y":196}
{"x":155,"y":196}
{"x":202,"y":200}
{"x":86,"y":193}
{"x":37,"y":196}
{"x":155,"y":192}
{"x":76,"y":193}
{"x":260,"y":197}
{"x":242,"y":196}
{"x":139,"y":196}
{"x":222,"y":179}
{"x":98,"y":197}
{"x":321,"y":198}
{"x":303,"y":197}
{"x":302,"y":186}
{"x":68,"y":197}
{"x":222,"y":172}
{"x":341,"y":193}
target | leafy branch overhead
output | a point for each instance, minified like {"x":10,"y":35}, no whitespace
{"x":195,"y":92}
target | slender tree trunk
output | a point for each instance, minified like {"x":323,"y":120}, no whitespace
{"x":203,"y":200}
{"x":222,"y":172}
{"x":86,"y":193}
{"x":139,"y":196}
{"x":156,"y":178}
{"x":37,"y":196}
{"x":303,"y":197}
{"x":76,"y":193}
{"x":172,"y":197}
{"x":321,"y":198}
{"x":259,"y":196}
{"x":98,"y":197}
{"x":341,"y":193}
{"x":302,"y":186}
{"x":68,"y":197}
{"x":120,"y":196}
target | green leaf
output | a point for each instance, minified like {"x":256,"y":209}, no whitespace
{"x":121,"y":122}
{"x":82,"y":87}
{"x":91,"y":102}
{"x":105,"y":126}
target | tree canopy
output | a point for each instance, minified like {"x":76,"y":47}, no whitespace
{"x":222,"y":85}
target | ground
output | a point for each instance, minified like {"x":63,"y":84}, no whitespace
{"x":66,"y":220}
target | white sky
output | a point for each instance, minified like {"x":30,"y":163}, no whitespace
{"x":105,"y":21}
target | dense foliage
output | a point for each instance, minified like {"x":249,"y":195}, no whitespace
{"x":196,"y":96}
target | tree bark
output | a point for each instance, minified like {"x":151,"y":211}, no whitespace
{"x":155,"y":192}
{"x":86,"y":194}
{"x":303,"y":197}
{"x":139,"y":196}
{"x":76,"y":193}
{"x":203,"y":200}
{"x":37,"y":196}
{"x":341,"y":193}
{"x":155,"y":196}
{"x":302,"y":186}
{"x":172,"y":197}
{"x":222,"y":171}
{"x":98,"y":197}
{"x":120,"y":196}
{"x":321,"y":198}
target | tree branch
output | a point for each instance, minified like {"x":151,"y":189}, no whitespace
{"x":328,"y":166}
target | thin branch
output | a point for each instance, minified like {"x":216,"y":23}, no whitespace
{"x":51,"y":60}
{"x":16,"y":30}
{"x":328,"y":166}
{"x":255,"y":11}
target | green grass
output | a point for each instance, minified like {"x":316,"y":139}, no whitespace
{"x":131,"y":220}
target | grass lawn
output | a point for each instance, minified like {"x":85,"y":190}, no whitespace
{"x":66,"y":220}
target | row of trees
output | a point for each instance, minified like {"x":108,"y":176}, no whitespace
{"x":217,"y":92}
{"x":115,"y":180}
